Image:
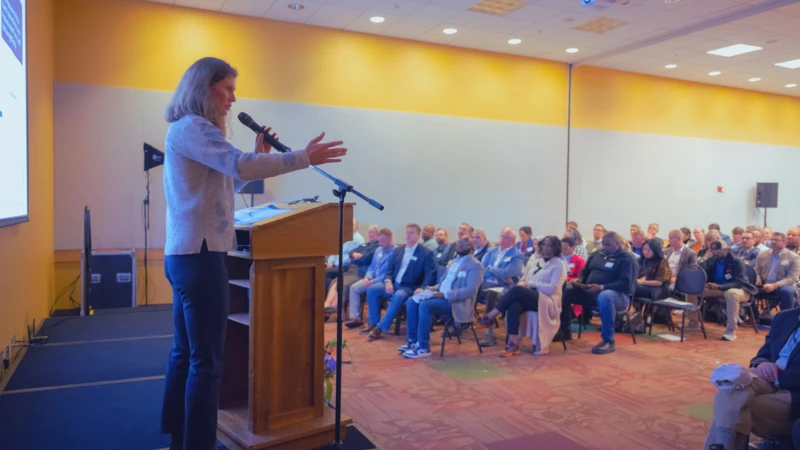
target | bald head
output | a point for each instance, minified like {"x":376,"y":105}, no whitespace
{"x":428,"y":231}
{"x":507,"y":238}
{"x":793,"y":237}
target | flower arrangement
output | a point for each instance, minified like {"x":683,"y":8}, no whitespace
{"x":330,"y":368}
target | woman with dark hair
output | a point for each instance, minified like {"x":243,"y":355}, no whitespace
{"x":580,"y":249}
{"x":654,"y":272}
{"x":202,"y":172}
{"x":525,"y":244}
{"x":539,"y":290}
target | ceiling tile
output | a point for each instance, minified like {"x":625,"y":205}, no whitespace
{"x":280,"y":10}
{"x":255,"y":8}
{"x":212,"y":5}
{"x":362,"y":23}
{"x":335,"y":16}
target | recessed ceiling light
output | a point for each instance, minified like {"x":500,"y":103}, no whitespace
{"x":295,"y":6}
{"x":714,"y":73}
{"x":376,"y":19}
{"x":514,"y":41}
{"x":572,"y":50}
{"x":794,"y":64}
{"x":449,"y":31}
{"x":791,"y":85}
{"x":671,"y":66}
{"x":733,"y":50}
{"x":754,"y":79}
{"x":671,"y":1}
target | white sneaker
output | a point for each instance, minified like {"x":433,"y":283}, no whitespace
{"x":728,"y":337}
{"x":408,"y":346}
{"x":417,"y":353}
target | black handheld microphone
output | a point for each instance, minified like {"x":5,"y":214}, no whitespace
{"x":258,"y":129}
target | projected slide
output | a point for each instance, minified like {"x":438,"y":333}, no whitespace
{"x":13,"y":114}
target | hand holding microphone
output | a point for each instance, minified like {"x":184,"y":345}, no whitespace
{"x":318,"y":152}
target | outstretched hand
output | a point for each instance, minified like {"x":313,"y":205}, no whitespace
{"x":324,"y":152}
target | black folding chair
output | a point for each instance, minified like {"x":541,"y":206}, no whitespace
{"x":626,"y":316}
{"x":690,"y":281}
{"x":450,"y":322}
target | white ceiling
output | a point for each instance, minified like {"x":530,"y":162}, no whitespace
{"x":657,"y":33}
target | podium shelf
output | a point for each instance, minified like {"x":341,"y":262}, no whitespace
{"x":242,"y":318}
{"x":240,"y":254}
{"x":245,"y":283}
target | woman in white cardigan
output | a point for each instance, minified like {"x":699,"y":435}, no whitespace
{"x":539,"y":290}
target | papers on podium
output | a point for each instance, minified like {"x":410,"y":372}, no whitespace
{"x":250,"y":216}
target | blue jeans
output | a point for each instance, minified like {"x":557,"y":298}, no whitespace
{"x":420,"y":318}
{"x":787,"y":297}
{"x":200,"y":313}
{"x":396,"y":301}
{"x":608,"y":303}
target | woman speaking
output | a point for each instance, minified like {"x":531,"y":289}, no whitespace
{"x":202,"y":172}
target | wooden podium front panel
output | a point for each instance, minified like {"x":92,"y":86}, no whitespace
{"x":286,"y":335}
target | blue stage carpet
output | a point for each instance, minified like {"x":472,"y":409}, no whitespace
{"x":59,"y":365}
{"x":107,"y":326}
{"x":123,"y":416}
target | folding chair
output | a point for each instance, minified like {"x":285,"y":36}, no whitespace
{"x":459,"y":328}
{"x":384,"y":304}
{"x":626,"y":314}
{"x":690,"y":281}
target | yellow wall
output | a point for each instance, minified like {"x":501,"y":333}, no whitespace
{"x":26,"y":268}
{"x":149,"y":45}
{"x":612,"y":100}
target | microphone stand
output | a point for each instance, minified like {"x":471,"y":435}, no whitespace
{"x":342,"y":188}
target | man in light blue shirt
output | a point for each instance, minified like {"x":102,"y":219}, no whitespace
{"x":332,"y":263}
{"x":373,"y":278}
{"x":428,"y":232}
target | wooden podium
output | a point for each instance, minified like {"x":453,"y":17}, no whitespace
{"x":271,"y":394}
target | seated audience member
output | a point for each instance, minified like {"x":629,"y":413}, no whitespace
{"x":502,"y":267}
{"x":747,"y":250}
{"x":793,"y":240}
{"x":464,"y":230}
{"x":597,"y":243}
{"x":654,"y":272}
{"x":736,"y":237}
{"x":409,"y":269}
{"x":443,"y":251}
{"x":687,"y":238}
{"x":634,"y":228}
{"x":573,"y":262}
{"x":525,"y":244}
{"x":762,"y":399}
{"x":699,"y":240}
{"x":453,"y":296}
{"x":607,"y":281}
{"x":679,"y":257}
{"x":652,"y":231}
{"x":539,"y":290}
{"x":361,"y":256}
{"x":481,"y":244}
{"x":727,"y":278}
{"x":428,"y":237}
{"x":332,"y":263}
{"x":705,"y":252}
{"x":767,"y":232}
{"x":580,"y":249}
{"x":758,"y":236}
{"x":637,"y":242}
{"x":723,"y":236}
{"x":373,"y":278}
{"x":574,"y":225}
{"x":778,"y":270}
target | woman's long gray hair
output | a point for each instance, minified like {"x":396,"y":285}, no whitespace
{"x":193,"y":95}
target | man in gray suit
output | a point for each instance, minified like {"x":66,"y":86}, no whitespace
{"x":453,"y":296}
{"x":778,"y":270}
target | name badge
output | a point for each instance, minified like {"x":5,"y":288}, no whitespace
{"x":413,"y":258}
{"x":784,"y":263}
{"x":462,"y":274}
{"x":572,"y":265}
{"x":609,"y":265}
{"x":530,"y":249}
{"x":728,"y":276}
{"x":438,"y":255}
{"x":507,"y":259}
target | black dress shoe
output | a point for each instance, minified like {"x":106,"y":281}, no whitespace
{"x":603,"y":348}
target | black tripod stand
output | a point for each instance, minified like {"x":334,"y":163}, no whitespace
{"x":342,"y":188}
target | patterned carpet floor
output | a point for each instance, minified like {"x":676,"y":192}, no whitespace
{"x":652,"y":395}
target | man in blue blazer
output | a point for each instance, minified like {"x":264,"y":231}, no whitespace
{"x":410,"y":270}
{"x":770,"y":403}
{"x":502,"y":267}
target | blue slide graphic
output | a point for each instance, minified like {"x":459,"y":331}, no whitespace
{"x":11,"y":26}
